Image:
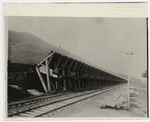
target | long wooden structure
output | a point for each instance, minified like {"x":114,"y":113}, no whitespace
{"x":56,"y":68}
{"x":66,"y":73}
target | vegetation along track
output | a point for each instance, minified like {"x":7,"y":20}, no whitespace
{"x":48,"y":109}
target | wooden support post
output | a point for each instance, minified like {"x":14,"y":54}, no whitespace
{"x":81,"y":65}
{"x":70,"y":74}
{"x":79,"y":84}
{"x":58,"y":62}
{"x":82,"y":84}
{"x":53,"y":86}
{"x":75,"y":66}
{"x":93,"y":83}
{"x":64,"y":84}
{"x":75,"y":85}
{"x":86,"y":84}
{"x":71,"y":64}
{"x":41,"y":79}
{"x":85,"y":69}
{"x":70,"y":84}
{"x":63,"y":73}
{"x":56,"y":85}
{"x":90,"y":84}
{"x":66,"y":62}
{"x":47,"y":74}
{"x":45,"y":58}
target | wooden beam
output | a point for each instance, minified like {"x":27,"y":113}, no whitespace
{"x":63,"y":73}
{"x":90,"y":71}
{"x":79,"y":83}
{"x":95,"y":73}
{"x":71,"y":64}
{"x":70,"y":84}
{"x":75,"y":84}
{"x":50,"y":59}
{"x":83,"y":69}
{"x":56,"y":83}
{"x":42,"y":69}
{"x":58,"y":62}
{"x":80,"y":65}
{"x":75,"y":65}
{"x":53,"y":86}
{"x":83,"y":65}
{"x":47,"y":74}
{"x":66,"y":62}
{"x":86,"y":69}
{"x":41,"y":79}
{"x":43,"y":65}
{"x":45,"y":58}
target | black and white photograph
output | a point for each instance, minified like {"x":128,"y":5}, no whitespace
{"x":76,"y":67}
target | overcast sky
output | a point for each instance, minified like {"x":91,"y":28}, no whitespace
{"x":103,"y":41}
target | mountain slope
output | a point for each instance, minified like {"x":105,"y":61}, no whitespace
{"x":26,"y":48}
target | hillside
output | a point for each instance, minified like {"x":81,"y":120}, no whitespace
{"x":136,"y":82}
{"x":26,"y":48}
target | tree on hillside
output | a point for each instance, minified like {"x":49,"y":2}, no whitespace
{"x":144,"y":74}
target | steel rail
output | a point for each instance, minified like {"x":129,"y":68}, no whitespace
{"x":65,"y":99}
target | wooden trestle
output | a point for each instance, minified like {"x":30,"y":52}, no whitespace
{"x":58,"y":72}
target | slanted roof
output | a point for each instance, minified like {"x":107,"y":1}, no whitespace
{"x":25,"y":48}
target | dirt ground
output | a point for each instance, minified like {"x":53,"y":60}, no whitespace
{"x":90,"y":109}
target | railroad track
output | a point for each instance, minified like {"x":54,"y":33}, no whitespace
{"x":37,"y":99}
{"x":13,"y":108}
{"x":48,"y":109}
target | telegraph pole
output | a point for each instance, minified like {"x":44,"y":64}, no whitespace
{"x":129,"y":78}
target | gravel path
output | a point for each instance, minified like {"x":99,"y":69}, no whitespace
{"x":89,"y":109}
